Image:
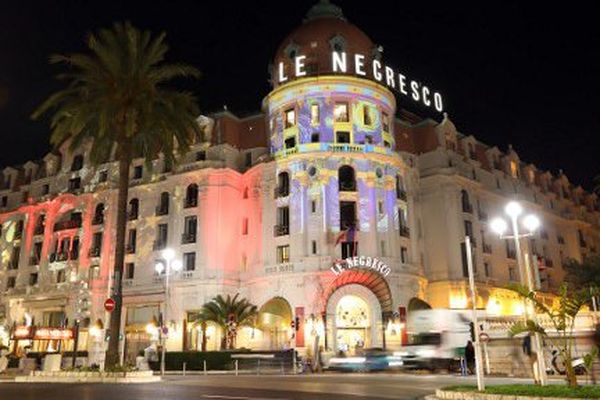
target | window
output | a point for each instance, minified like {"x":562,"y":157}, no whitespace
{"x":36,"y":253}
{"x":382,"y":248}
{"x":189,"y":261}
{"x":134,"y":208}
{"x":380,"y":207}
{"x":315,"y":137}
{"x":346,"y":179}
{"x":200,"y":156}
{"x":283,"y":221}
{"x":74,"y":184}
{"x":103,"y":176}
{"x":131,"y":241}
{"x":77,"y":163}
{"x":245,"y":193}
{"x":191,"y":196}
{"x":314,"y":114}
{"x":161,"y":237}
{"x":290,"y":142}
{"x":512,"y":275}
{"x":163,"y":207}
{"x":61,"y":276}
{"x":466,"y":204}
{"x":367,"y":117}
{"x":368,"y":139}
{"x":349,"y":249}
{"x":190,"y":229}
{"x":487,"y":270}
{"x":514,"y":169}
{"x":404,"y":255}
{"x":290,"y":118}
{"x":313,"y":206}
{"x":4,"y":201}
{"x":45,"y":190}
{"x":283,"y":185}
{"x":314,"y":247}
{"x":342,"y":137}
{"x":129,"y":270}
{"x":138,"y":170}
{"x":245,"y":226}
{"x":340,"y":112}
{"x":96,"y":244}
{"x":469,"y":231}
{"x":248,"y":159}
{"x":465,"y":265}
{"x":33,"y":279}
{"x":385,"y":122}
{"x":11,"y":282}
{"x":98,"y":214}
{"x":283,"y":254}
{"x":14,"y":258}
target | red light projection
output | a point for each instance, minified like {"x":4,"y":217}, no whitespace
{"x":365,"y":277}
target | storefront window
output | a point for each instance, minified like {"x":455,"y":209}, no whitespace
{"x":340,"y":112}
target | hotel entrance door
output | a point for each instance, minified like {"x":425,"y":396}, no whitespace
{"x":353,"y":324}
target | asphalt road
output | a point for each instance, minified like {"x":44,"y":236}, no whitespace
{"x":302,"y":387}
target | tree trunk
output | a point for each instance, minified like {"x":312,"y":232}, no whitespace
{"x":570,"y":371}
{"x":112,"y":354}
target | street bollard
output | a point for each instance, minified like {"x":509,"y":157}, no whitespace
{"x":184,"y":365}
{"x":236,"y":367}
{"x":204,"y":362}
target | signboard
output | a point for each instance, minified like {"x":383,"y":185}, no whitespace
{"x":42,"y":333}
{"x":360,"y":262}
{"x":109,"y":304}
{"x":384,"y":74}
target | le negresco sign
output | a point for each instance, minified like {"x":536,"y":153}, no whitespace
{"x":360,"y":262}
{"x":381,"y":73}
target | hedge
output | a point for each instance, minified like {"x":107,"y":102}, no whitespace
{"x":215,"y":360}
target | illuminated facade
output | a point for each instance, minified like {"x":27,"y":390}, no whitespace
{"x":332,"y":210}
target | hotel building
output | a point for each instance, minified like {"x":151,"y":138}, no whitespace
{"x":332,"y":208}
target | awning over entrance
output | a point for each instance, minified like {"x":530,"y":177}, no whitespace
{"x":368,"y":278}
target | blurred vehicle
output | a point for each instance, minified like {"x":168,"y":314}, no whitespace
{"x":437,"y":339}
{"x":365,"y":360}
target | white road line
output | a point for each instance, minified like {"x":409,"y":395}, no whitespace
{"x":217,"y":396}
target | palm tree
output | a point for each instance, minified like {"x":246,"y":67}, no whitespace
{"x":115,"y":99}
{"x":229,"y":313}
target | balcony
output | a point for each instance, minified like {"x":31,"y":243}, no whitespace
{"x":98,"y":219}
{"x":347,"y":186}
{"x":188,"y":237}
{"x":487,"y":248}
{"x":467,"y":207}
{"x":159,"y":244}
{"x":404,"y":231}
{"x":68,"y":224}
{"x":401,"y":194}
{"x":482,"y":215}
{"x":281,"y":192}
{"x":281,"y":230}
{"x":162,"y":210}
{"x":130,"y":249}
{"x":189,"y":203}
{"x":62,"y":256}
{"x":94,"y":252}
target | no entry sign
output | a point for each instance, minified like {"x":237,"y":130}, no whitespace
{"x":109,"y":304}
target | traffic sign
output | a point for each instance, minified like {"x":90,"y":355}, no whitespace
{"x":109,"y":304}
{"x":484,"y":337}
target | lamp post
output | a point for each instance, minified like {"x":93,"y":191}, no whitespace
{"x":166,"y":265}
{"x":478,"y":355}
{"x":531,"y":223}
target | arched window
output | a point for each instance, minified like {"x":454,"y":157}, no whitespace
{"x":283,"y":184}
{"x":191,"y":196}
{"x":346,"y":179}
{"x":464,"y":199}
{"x":134,"y":209}
{"x":98,"y":214}
{"x":77,"y":163}
{"x":163,"y":206}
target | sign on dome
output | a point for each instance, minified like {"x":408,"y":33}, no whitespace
{"x":393,"y":79}
{"x":360,"y":262}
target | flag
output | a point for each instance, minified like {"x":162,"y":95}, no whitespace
{"x":347,"y":235}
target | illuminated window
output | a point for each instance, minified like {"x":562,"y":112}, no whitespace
{"x":314,"y":114}
{"x":283,"y":254}
{"x":340,"y":112}
{"x":385,"y":122}
{"x":514,"y":169}
{"x":367,"y":117}
{"x":290,"y":118}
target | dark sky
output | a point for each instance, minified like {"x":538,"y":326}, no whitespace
{"x":509,"y":72}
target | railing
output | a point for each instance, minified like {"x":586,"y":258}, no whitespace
{"x":94,"y":252}
{"x":281,"y":192}
{"x":159,"y":245}
{"x":188,"y":237}
{"x":345,"y":148}
{"x":281,"y":230}
{"x":499,"y":327}
{"x":187,"y":274}
{"x":347,"y":187}
{"x":34,"y":260}
{"x":98,"y":219}
{"x":162,"y":210}
{"x":404,"y":231}
{"x":130,"y":249}
{"x":68,"y":224}
{"x":189,"y":203}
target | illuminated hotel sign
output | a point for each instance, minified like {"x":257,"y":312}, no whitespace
{"x":360,"y":262}
{"x":382,"y":73}
{"x":28,"y":332}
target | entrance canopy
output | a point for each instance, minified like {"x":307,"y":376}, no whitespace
{"x":368,"y":278}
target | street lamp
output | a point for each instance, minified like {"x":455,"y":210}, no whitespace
{"x":531,"y":223}
{"x":166,"y":265}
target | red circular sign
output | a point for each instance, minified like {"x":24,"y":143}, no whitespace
{"x":109,"y":304}
{"x":484,"y":337}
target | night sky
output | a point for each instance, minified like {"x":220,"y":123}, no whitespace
{"x":509,"y":72}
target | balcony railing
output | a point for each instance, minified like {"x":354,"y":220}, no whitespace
{"x":188,"y":237}
{"x":404,"y":231}
{"x":98,"y":219}
{"x":130,"y":249}
{"x":68,"y":224}
{"x":162,"y":210}
{"x":189,"y":203}
{"x":281,"y":230}
{"x":401,"y":194}
{"x":281,"y":192}
{"x":347,"y":187}
{"x":159,"y":245}
{"x":18,"y":234}
{"x":94,"y":252}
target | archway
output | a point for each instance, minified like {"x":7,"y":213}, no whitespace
{"x":274,"y":319}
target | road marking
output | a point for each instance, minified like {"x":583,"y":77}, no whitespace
{"x":217,"y":396}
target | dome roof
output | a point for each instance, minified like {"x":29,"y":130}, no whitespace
{"x":324,"y":29}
